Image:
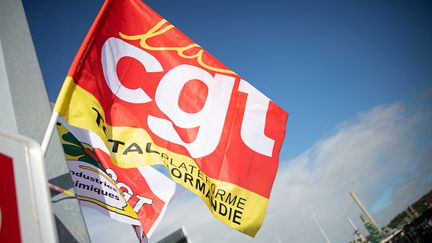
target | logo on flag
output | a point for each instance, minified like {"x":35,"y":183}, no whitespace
{"x":137,"y":196}
{"x":153,"y":96}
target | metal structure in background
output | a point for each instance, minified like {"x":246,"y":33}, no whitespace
{"x":365,"y":211}
{"x":327,"y":239}
{"x":25,"y":110}
{"x":357,"y":233}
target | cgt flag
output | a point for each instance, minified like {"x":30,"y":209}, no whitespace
{"x":154,"y":96}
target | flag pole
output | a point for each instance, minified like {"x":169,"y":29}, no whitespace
{"x":49,"y":132}
{"x":73,"y":70}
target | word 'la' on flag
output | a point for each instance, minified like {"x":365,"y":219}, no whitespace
{"x":155,"y":97}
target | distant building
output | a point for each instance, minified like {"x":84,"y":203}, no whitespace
{"x":427,"y":199}
{"x":375,"y":235}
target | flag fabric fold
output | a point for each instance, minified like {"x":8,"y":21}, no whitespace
{"x":137,"y":196}
{"x":150,"y":95}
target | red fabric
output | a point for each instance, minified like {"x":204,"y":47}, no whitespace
{"x":232,"y":161}
{"x":9,"y":218}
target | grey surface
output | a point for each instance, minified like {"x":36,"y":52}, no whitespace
{"x":178,"y":236}
{"x":25,"y":110}
{"x":7,"y":114}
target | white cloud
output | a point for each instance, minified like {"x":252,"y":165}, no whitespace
{"x":386,"y":148}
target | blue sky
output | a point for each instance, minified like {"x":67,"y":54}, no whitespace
{"x":342,"y":69}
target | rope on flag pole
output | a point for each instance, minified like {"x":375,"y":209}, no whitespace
{"x":61,"y":190}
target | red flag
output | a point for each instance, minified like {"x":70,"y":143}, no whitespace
{"x":156,"y":97}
